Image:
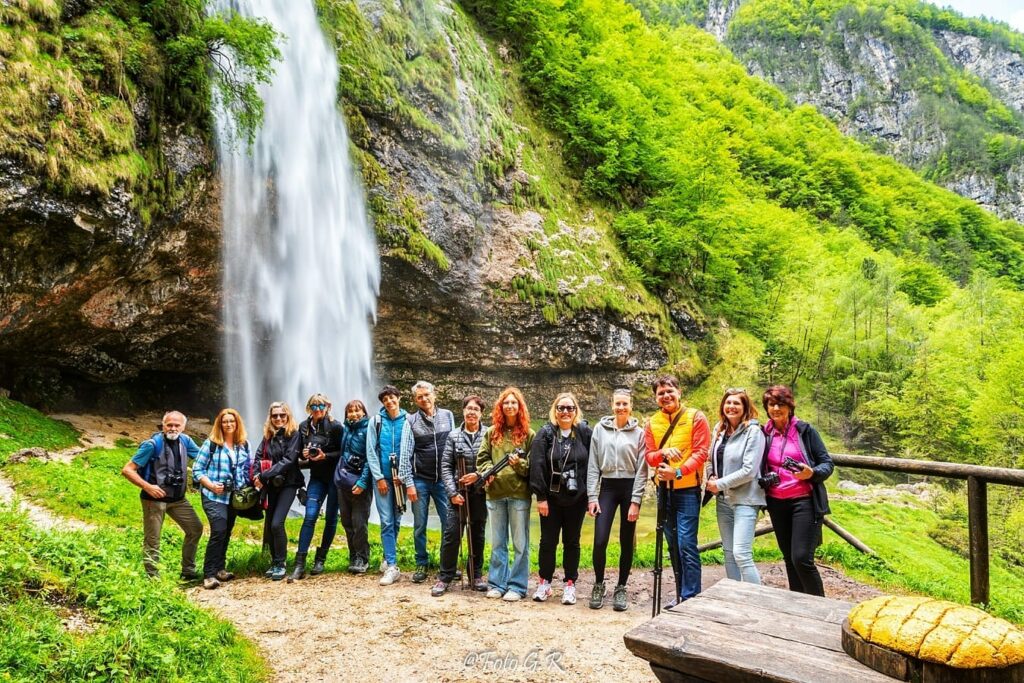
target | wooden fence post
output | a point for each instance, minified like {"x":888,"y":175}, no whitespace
{"x":977,"y":525}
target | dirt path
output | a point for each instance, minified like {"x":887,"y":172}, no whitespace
{"x":319,"y":628}
{"x":40,"y":516}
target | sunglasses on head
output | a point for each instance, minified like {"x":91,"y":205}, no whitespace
{"x":565,"y":409}
{"x":317,"y":406}
{"x":735,"y":390}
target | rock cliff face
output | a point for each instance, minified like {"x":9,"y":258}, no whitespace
{"x":903,"y":93}
{"x":99,"y":307}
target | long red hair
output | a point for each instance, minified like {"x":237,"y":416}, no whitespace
{"x":521,"y":429}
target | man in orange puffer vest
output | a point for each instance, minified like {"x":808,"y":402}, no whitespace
{"x":680,"y":438}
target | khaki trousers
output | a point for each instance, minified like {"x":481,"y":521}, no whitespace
{"x":153,"y":512}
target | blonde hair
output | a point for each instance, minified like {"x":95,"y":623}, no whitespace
{"x":319,"y":398}
{"x":289,"y":427}
{"x":217,"y":434}
{"x":553,"y":414}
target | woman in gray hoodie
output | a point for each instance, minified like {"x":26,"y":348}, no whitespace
{"x":737,"y":447}
{"x":616,"y":476}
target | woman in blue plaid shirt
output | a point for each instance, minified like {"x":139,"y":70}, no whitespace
{"x":224,"y":457}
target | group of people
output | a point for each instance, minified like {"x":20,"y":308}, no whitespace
{"x":472,"y":472}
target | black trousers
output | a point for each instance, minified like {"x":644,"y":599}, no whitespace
{"x":279,"y":501}
{"x":221,"y":517}
{"x":616,"y":494}
{"x":355,"y":517}
{"x":451,"y":540}
{"x":566,"y":521}
{"x":798,"y":533}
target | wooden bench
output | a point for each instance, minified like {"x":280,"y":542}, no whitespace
{"x":741,"y":632}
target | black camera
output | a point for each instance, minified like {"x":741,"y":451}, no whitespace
{"x":769,"y":480}
{"x":229,"y":485}
{"x":277,"y":481}
{"x":174,"y":479}
{"x":792,"y":465}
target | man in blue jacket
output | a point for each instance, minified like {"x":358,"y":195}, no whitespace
{"x":159,"y":468}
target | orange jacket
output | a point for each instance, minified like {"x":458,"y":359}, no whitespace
{"x":692,"y":436}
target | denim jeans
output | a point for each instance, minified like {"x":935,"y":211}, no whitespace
{"x":425,"y":491}
{"x":222,"y":520}
{"x":318,"y":493}
{"x":681,"y":532}
{"x":389,"y":521}
{"x":736,"y":525}
{"x":509,"y":516}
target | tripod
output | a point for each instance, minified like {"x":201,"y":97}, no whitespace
{"x":466,"y":522}
{"x":659,"y":541}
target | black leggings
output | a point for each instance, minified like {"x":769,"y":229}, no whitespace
{"x":279,"y":502}
{"x":567,"y":521}
{"x":798,"y":533}
{"x":615,"y":494}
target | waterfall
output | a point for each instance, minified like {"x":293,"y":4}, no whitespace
{"x":300,"y":262}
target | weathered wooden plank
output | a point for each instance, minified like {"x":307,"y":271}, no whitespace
{"x":798,"y":629}
{"x":718,"y":652}
{"x":778,"y":600}
{"x":672,"y":676}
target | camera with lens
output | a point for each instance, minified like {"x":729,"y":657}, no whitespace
{"x":316,"y":443}
{"x":769,"y":480}
{"x":792,"y":465}
{"x":229,"y":485}
{"x":174,"y":479}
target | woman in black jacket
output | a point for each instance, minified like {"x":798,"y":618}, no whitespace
{"x":558,"y":477}
{"x":278,"y":479}
{"x":793,"y":474}
{"x":320,"y":450}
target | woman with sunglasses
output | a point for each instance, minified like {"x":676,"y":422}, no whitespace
{"x":558,"y":469}
{"x":793,"y":473}
{"x":616,"y":478}
{"x":320,"y":440}
{"x":221,"y":466}
{"x":737,"y":448}
{"x":278,"y":478}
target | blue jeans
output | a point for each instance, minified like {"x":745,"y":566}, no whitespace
{"x":681,"y":531}
{"x":318,"y":493}
{"x":389,"y":521}
{"x":425,"y":491}
{"x":736,"y":525}
{"x":509,"y":516}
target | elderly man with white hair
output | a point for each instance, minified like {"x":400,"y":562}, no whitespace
{"x":159,"y":468}
{"x":419,"y":467}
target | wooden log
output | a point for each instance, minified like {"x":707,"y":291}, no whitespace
{"x":906,"y":668}
{"x":950,"y":470}
{"x":848,"y":537}
{"x":977,"y":528}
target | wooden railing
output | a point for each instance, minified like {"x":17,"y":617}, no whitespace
{"x":977,"y":476}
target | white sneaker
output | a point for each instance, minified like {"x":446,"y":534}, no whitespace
{"x":391,"y":574}
{"x":493,"y":593}
{"x":512,"y":596}
{"x":543,"y":591}
{"x":569,"y":594}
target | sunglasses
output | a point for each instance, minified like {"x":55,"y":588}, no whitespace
{"x":317,"y":406}
{"x":278,"y":416}
{"x":565,"y":409}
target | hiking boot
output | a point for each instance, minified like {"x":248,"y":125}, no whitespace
{"x":391,"y":574}
{"x":494,"y":593}
{"x":512,"y":596}
{"x":421,"y":574}
{"x":269,"y":572}
{"x":359,"y":566}
{"x":278,"y":572}
{"x":620,"y":602}
{"x":480,"y":584}
{"x":597,"y":596}
{"x":299,"y":572}
{"x":439,"y":589}
{"x":318,"y":563}
{"x":224,"y":576}
{"x":189,"y":576}
{"x":569,"y":593}
{"x":210,"y":583}
{"x":543,"y":591}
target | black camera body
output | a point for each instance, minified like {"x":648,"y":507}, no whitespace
{"x":277,"y":481}
{"x":792,"y":465}
{"x":769,"y":480}
{"x":229,"y":485}
{"x":569,"y":480}
{"x":174,"y":479}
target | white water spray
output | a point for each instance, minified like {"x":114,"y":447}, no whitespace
{"x":301,"y":269}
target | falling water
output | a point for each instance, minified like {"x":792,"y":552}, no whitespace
{"x":300,"y":263}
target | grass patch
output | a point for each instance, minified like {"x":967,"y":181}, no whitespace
{"x":138,"y":629}
{"x":22,"y":427}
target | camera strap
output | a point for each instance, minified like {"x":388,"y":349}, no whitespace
{"x":671,"y":426}
{"x":566,"y":443}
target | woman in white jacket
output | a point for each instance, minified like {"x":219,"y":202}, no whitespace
{"x":737,"y":447}
{"x":616,"y":476}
